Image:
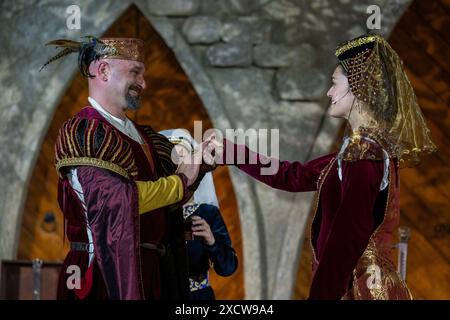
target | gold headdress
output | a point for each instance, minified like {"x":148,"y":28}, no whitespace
{"x":376,"y":78}
{"x":94,"y":49}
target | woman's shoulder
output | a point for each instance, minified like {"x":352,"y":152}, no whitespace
{"x":362,"y":147}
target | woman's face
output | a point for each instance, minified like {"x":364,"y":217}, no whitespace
{"x":341,"y":96}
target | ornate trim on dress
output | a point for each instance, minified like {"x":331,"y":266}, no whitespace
{"x":92,"y":162}
{"x":189,"y":209}
{"x":198,"y":283}
{"x":361,"y":147}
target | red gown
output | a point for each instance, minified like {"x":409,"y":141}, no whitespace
{"x":354,"y":220}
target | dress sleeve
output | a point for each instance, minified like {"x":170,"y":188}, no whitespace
{"x":290,"y":176}
{"x":112,"y":209}
{"x":351,"y":229}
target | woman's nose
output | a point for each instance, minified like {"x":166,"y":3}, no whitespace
{"x":329,"y":93}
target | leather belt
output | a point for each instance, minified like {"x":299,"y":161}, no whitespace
{"x":162,"y":249}
{"x":85,"y":246}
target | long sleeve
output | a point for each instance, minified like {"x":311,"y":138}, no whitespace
{"x":112,"y":209}
{"x":290,"y":176}
{"x":351,"y":229}
{"x":221,"y":253}
{"x":160,"y":193}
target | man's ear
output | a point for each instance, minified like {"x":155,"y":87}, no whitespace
{"x":103,"y":70}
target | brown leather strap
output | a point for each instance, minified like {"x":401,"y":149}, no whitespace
{"x":162,"y":249}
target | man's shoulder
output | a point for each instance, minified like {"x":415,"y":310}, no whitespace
{"x":154,"y":136}
{"x":87,"y":114}
{"x":87,"y":140}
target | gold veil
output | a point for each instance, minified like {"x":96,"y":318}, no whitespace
{"x":377,"y":78}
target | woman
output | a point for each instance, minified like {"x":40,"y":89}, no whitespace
{"x":357,"y":202}
{"x":209,"y":243}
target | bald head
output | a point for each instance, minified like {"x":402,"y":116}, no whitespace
{"x":117,"y":84}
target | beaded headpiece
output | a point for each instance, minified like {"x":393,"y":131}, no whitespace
{"x":377,"y":79}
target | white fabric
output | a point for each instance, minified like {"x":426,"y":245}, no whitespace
{"x":76,"y":186}
{"x":206,"y":192}
{"x":127,"y":127}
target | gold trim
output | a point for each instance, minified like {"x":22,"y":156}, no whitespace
{"x":356,"y":43}
{"x":323,"y":175}
{"x":92,"y":162}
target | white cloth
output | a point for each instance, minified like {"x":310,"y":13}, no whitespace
{"x":127,"y":127}
{"x":76,"y":186}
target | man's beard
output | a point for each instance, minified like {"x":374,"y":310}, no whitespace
{"x":133,"y":102}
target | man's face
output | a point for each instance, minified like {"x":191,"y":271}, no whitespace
{"x":127,"y":80}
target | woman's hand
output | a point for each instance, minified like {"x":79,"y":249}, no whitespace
{"x":200,"y":228}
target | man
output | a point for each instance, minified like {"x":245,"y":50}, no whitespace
{"x":120,"y":193}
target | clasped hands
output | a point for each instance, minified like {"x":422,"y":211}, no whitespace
{"x":201,"y":159}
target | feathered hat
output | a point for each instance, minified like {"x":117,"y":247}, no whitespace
{"x":94,"y":49}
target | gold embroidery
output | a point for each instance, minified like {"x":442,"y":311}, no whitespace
{"x":356,"y":43}
{"x":91,"y":162}
{"x":323,"y":174}
{"x":378,"y":253}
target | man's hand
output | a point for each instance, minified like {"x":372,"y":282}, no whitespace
{"x":201,"y":159}
{"x":189,"y":165}
{"x":200,"y":228}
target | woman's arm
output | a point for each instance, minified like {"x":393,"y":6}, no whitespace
{"x":290,"y":176}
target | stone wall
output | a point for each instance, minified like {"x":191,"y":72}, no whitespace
{"x":254,"y":63}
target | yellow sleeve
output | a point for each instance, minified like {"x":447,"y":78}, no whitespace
{"x":160,"y":193}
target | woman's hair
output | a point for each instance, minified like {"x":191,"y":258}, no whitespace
{"x":342,"y":68}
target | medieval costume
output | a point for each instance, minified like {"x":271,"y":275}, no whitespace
{"x":120,"y":197}
{"x":357,"y":198}
{"x":221,"y":255}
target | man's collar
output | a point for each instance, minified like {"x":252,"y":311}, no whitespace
{"x":104,"y":112}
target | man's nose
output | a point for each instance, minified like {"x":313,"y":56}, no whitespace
{"x":142,"y":83}
{"x":329,"y":93}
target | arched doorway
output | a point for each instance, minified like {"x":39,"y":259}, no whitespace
{"x":170,"y":101}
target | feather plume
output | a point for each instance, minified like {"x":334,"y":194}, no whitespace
{"x":68,"y":47}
